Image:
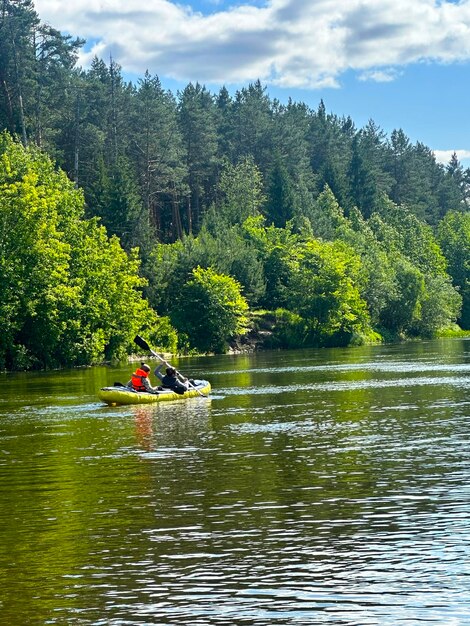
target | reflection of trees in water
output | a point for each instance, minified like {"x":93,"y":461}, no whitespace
{"x":144,"y":427}
{"x":171,"y":423}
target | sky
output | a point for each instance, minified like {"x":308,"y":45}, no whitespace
{"x":405,"y":64}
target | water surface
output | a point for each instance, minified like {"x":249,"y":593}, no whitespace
{"x":312,"y":487}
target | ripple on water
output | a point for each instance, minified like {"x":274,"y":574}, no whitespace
{"x":328,"y":500}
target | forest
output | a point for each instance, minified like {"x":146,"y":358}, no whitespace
{"x":208,"y":220}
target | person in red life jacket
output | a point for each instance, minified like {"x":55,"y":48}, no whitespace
{"x":140,"y":380}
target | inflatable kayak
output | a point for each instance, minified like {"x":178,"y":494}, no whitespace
{"x":124,"y":395}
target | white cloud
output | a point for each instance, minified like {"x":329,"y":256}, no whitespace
{"x":444,"y":156}
{"x":291,"y":43}
{"x":386,"y":75}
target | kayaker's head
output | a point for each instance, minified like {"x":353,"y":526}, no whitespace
{"x":145,"y":367}
{"x":170,"y":371}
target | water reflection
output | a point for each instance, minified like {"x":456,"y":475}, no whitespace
{"x":316,"y":487}
{"x":164,"y":424}
{"x":144,"y":427}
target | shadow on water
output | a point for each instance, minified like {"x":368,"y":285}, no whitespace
{"x":312,"y":487}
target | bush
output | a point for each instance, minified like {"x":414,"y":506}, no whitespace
{"x":210,"y":310}
{"x":290,"y":330}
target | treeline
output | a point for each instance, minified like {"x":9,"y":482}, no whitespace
{"x":227,"y":205}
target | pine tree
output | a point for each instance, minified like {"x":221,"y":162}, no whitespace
{"x":18,"y":23}
{"x":197,"y":121}
{"x":456,"y":173}
{"x":330,"y":149}
{"x":158,"y":153}
{"x":363,"y":189}
{"x":224,"y":121}
{"x":252,"y":119}
{"x":281,"y":205}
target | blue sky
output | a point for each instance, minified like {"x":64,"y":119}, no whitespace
{"x":403,"y":63}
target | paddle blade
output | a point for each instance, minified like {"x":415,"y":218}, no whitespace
{"x":142,"y":343}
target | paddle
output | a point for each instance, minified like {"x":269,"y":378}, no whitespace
{"x":145,"y":346}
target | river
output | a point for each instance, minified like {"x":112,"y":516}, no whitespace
{"x":311,"y":487}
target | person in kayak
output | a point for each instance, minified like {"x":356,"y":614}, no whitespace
{"x":140,"y":380}
{"x":170,"y":379}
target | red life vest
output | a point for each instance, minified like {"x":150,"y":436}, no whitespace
{"x":137,"y":379}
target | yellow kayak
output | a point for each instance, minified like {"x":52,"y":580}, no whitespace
{"x":124,"y":395}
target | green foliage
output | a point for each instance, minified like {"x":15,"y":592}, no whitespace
{"x":319,"y":281}
{"x":68,"y":293}
{"x":323,"y":289}
{"x":210,"y":310}
{"x":242,"y":191}
{"x":120,"y":207}
{"x":251,"y":119}
{"x":403,"y":309}
{"x":376,"y":277}
{"x":454,"y":236}
{"x":271,"y":244}
{"x":111,"y":305}
{"x":290,"y":330}
{"x":399,"y":228}
{"x":282,"y":199}
{"x":228,"y":253}
{"x":404,"y":281}
{"x":190,"y":181}
{"x":364,"y":188}
{"x":197,"y":120}
{"x":35,"y":65}
{"x":327,"y":216}
{"x":164,"y":268}
{"x":158,"y":153}
{"x":164,"y":336}
{"x":440,"y":306}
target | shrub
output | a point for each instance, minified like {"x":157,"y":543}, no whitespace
{"x":210,"y":310}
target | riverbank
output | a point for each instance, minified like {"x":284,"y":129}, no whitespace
{"x":269,"y":332}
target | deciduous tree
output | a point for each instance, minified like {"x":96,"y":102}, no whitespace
{"x":210,"y":310}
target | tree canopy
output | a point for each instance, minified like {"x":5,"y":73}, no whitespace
{"x":113,"y":193}
{"x":68,"y":293}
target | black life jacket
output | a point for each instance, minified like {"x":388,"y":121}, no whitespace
{"x":171,"y":382}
